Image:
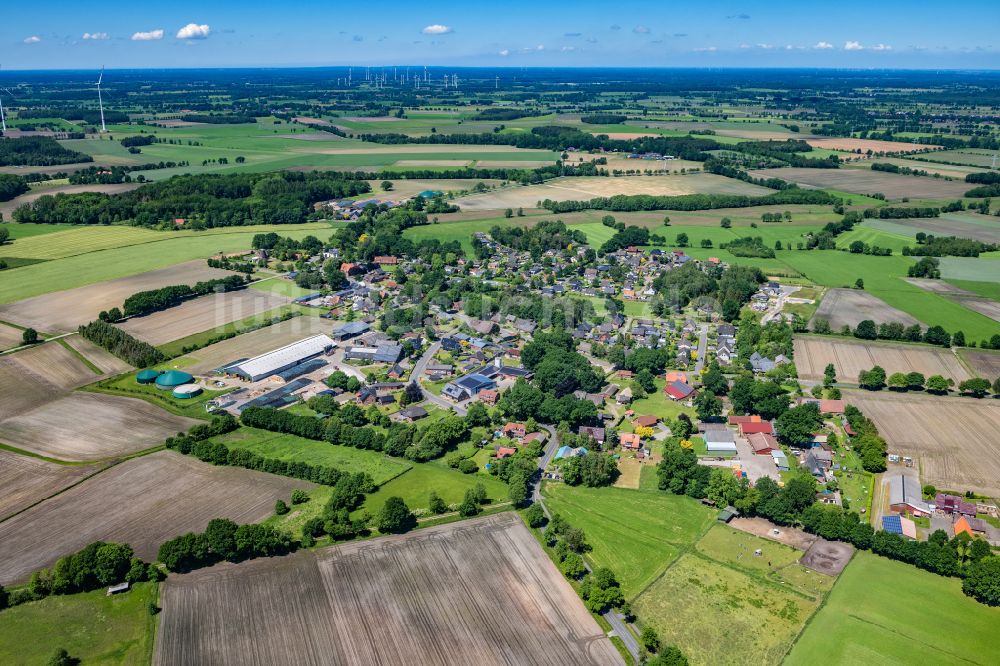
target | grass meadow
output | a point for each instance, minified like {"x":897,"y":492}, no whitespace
{"x":635,"y":533}
{"x":92,"y":627}
{"x":886,"y":612}
{"x":268,"y":444}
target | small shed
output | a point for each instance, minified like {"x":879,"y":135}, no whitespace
{"x":727,"y":514}
{"x":116,"y":589}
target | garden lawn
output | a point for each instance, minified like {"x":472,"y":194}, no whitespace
{"x":635,"y":533}
{"x":281,"y":286}
{"x":886,"y":612}
{"x":658,"y":404}
{"x":92,"y":627}
{"x":280,"y":446}
{"x":415,"y":485}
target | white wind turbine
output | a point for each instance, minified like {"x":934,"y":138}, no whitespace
{"x":3,"y":119}
{"x":100,"y":101}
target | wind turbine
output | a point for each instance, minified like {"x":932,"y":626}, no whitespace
{"x":3,"y":120}
{"x":100,"y":101}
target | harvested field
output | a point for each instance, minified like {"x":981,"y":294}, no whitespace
{"x":480,"y":591}
{"x":10,"y":337}
{"x":404,"y":187}
{"x":305,"y":120}
{"x":155,"y":498}
{"x":966,"y":224}
{"x":431,"y":163}
{"x":91,"y":426}
{"x":590,"y":187}
{"x":512,"y":164}
{"x":202,"y":314}
{"x":109,"y":364}
{"x":850,"y":357}
{"x":21,"y":392}
{"x":27,"y":480}
{"x":54,"y":364}
{"x":850,"y":306}
{"x":980,"y":304}
{"x":64,"y":311}
{"x":984,"y":363}
{"x":864,"y":145}
{"x":253,"y":344}
{"x":175,"y":122}
{"x":859,"y":181}
{"x":953,"y":439}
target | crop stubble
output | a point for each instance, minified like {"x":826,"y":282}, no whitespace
{"x":481,"y":591}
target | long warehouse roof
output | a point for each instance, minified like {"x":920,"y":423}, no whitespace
{"x":279,"y":359}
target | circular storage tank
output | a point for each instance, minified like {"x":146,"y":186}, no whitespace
{"x":186,"y":391}
{"x":147,"y":376}
{"x":173,"y":378}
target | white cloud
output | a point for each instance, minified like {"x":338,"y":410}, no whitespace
{"x":504,"y":53}
{"x":853,"y":46}
{"x":148,"y":36}
{"x":706,"y":49}
{"x":437,"y":29}
{"x":823,"y":46}
{"x":194,"y":31}
{"x":34,"y":39}
{"x":766,"y":47}
{"x":95,"y":35}
{"x":640,"y":30}
{"x":568,"y":48}
{"x":881,"y":47}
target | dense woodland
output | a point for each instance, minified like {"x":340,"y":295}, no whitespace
{"x":37,"y":151}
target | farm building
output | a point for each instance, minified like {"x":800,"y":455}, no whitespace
{"x":763,"y":444}
{"x":954,"y":504}
{"x":720,"y":442}
{"x":749,"y":425}
{"x":279,"y":360}
{"x":647,"y":421}
{"x":899,"y":525}
{"x":384,"y":353}
{"x":169,"y":380}
{"x":147,"y":376}
{"x":904,"y":496}
{"x":351,"y":329}
{"x":465,"y":387}
{"x":835,"y":407}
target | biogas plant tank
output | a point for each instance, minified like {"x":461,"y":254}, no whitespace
{"x":186,"y":391}
{"x":173,"y":378}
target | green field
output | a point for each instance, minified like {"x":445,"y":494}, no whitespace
{"x":168,"y":249}
{"x":885,"y":612}
{"x":281,"y":286}
{"x":981,"y":269}
{"x":92,"y":627}
{"x":126,"y":385}
{"x":415,"y":486}
{"x":882,"y":277}
{"x":635,"y":533}
{"x":292,"y":448}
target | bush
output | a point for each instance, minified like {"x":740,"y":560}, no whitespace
{"x":280,"y":508}
{"x":299,"y":496}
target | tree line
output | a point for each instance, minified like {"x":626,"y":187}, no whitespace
{"x":645,"y":202}
{"x":97,"y":565}
{"x":12,"y":186}
{"x":133,"y":351}
{"x":153,"y":300}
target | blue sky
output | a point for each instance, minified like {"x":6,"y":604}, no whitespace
{"x":778,"y":33}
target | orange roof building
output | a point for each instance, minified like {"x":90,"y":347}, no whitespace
{"x":962,"y":525}
{"x":630,"y":441}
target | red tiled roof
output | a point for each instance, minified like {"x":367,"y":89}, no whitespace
{"x":756,"y":427}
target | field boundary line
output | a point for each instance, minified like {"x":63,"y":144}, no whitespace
{"x":820,"y":607}
{"x":83,"y":359}
{"x":681,"y":552}
{"x":4,"y":519}
{"x":55,"y":461}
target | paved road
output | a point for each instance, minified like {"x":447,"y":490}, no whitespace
{"x":699,"y":362}
{"x":612,"y":617}
{"x":418,"y":371}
